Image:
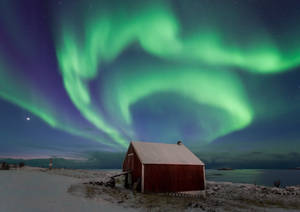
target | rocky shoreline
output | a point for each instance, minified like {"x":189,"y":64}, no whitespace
{"x":218,"y":196}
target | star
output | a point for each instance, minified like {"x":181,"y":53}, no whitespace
{"x":27,"y":118}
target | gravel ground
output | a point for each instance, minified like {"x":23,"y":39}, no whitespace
{"x":219,"y":196}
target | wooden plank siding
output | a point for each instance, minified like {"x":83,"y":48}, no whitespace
{"x":133,"y":164}
{"x":173,"y":178}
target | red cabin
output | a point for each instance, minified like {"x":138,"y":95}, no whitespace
{"x":159,"y":167}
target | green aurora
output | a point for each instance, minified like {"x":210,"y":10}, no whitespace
{"x":201,"y":61}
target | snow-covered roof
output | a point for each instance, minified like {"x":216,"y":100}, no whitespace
{"x":160,"y":153}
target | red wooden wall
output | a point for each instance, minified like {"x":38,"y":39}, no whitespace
{"x":172,"y":178}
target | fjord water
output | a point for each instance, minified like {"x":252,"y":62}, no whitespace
{"x":287,"y":177}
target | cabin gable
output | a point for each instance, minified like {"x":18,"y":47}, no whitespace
{"x":133,"y":164}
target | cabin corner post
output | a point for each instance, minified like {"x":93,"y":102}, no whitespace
{"x":143,"y":178}
{"x":204,"y":177}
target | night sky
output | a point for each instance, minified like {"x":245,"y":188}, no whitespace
{"x":79,"y":76}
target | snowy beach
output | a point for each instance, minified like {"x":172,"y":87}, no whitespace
{"x":34,"y":190}
{"x":37,"y":189}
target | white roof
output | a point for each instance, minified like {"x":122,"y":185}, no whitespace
{"x":160,"y":153}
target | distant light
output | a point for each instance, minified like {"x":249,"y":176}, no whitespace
{"x":28,"y":118}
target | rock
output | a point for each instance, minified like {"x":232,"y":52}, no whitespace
{"x":216,"y":188}
{"x":99,"y":183}
{"x":210,"y":192}
{"x":275,"y":190}
{"x":194,"y":205}
{"x":202,"y":207}
{"x":216,"y":203}
{"x":190,"y":204}
{"x":291,"y":188}
{"x":111,"y":183}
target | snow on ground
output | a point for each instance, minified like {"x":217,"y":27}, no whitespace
{"x":37,"y":189}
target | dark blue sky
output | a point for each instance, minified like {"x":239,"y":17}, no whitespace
{"x":92,"y":75}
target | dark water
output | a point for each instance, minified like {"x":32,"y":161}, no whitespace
{"x":265,"y":177}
